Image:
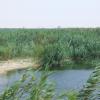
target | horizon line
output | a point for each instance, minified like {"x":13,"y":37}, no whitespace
{"x":43,"y":27}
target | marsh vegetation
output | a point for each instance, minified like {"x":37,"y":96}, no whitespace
{"x":71,"y":48}
{"x":56,"y":48}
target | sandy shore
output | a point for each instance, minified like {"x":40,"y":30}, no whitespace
{"x":14,"y":64}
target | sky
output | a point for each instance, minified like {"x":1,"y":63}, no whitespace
{"x":49,"y":13}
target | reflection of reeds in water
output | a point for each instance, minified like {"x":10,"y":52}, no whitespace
{"x":91,"y":91}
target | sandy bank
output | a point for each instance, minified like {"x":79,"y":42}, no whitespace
{"x":14,"y":64}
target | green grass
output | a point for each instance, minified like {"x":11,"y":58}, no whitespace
{"x":91,"y":90}
{"x":53,"y":47}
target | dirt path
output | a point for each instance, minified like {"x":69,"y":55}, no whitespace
{"x":14,"y":64}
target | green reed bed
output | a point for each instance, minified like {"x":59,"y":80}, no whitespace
{"x":53,"y":47}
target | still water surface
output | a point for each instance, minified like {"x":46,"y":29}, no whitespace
{"x":65,"y":80}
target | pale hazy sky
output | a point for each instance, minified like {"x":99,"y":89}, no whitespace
{"x":49,"y":13}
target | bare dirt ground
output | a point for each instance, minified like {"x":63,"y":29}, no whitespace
{"x":14,"y":64}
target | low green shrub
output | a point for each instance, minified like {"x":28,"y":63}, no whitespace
{"x":5,"y":53}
